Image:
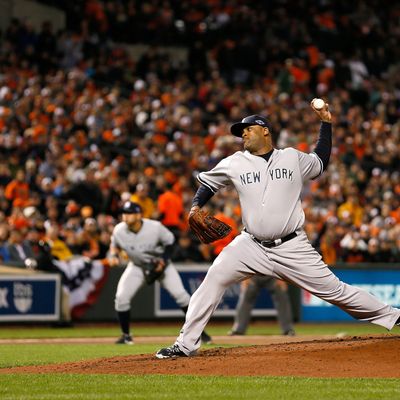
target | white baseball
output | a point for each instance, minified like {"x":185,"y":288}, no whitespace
{"x":318,"y":104}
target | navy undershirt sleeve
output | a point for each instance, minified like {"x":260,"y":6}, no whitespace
{"x":167,"y":252}
{"x":324,"y":144}
{"x":202,"y":195}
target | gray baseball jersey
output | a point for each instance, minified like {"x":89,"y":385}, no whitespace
{"x":142,"y":247}
{"x":269,"y":194}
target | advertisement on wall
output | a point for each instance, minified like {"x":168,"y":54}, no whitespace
{"x":192,"y":276}
{"x":33,"y":298}
{"x":384,"y":284}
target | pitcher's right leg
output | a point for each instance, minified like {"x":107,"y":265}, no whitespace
{"x":203,"y":303}
{"x":242,"y":258}
{"x":201,"y":306}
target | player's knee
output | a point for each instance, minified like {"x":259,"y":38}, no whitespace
{"x":219,"y":277}
{"x":122,"y":303}
{"x":334,"y":293}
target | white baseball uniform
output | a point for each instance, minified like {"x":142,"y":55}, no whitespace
{"x":141,"y":248}
{"x":269,"y":194}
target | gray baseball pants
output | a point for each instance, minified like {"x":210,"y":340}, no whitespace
{"x":248,"y":296}
{"x":295,"y":261}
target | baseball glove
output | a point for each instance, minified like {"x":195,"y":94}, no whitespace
{"x":206,"y":227}
{"x":153,"y":270}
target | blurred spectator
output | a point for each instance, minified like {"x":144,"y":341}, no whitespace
{"x":89,"y":239}
{"x":58,"y":248}
{"x":86,"y":192}
{"x":5,"y":174}
{"x":351,"y":211}
{"x":141,"y":197}
{"x":225,"y":215}
{"x":187,"y":249}
{"x":4,"y":250}
{"x":170,"y":208}
{"x":373,"y":253}
{"x":353,"y":247}
{"x":104,"y":243}
{"x":329,"y":245}
{"x":82,"y":122}
{"x":19,"y":248}
{"x":17,"y":190}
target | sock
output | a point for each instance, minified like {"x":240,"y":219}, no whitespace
{"x":184,"y":309}
{"x":124,"y":319}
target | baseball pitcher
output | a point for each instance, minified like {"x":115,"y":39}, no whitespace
{"x":273,"y":243}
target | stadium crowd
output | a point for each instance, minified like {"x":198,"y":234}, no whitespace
{"x":84,"y":126}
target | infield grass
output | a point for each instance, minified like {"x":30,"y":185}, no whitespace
{"x":80,"y":386}
{"x":63,"y":386}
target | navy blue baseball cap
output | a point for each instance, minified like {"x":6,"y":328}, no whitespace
{"x":237,"y":128}
{"x":130,"y":207}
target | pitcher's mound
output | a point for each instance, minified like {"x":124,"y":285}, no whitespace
{"x":364,"y":357}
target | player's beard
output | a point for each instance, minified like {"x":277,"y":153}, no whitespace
{"x":246,"y":143}
{"x":255,"y":145}
{"x":249,"y":145}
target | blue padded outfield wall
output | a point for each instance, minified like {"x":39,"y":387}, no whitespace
{"x":192,"y":277}
{"x":23,"y":298}
{"x":30,"y":298}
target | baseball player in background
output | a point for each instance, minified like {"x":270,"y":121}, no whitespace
{"x":248,"y":295}
{"x":273,"y":243}
{"x":148,"y":245}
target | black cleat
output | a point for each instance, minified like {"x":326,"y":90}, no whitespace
{"x":125,"y":339}
{"x":206,"y":338}
{"x":170,"y":352}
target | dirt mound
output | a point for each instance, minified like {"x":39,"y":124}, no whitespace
{"x":369,"y":357}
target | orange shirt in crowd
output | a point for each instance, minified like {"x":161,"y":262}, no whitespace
{"x":18,"y":192}
{"x":170,"y":205}
{"x":220,"y":244}
{"x":328,"y":252}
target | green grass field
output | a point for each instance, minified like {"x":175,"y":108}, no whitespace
{"x":74,"y":386}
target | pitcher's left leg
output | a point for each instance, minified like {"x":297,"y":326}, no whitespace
{"x":298,"y":262}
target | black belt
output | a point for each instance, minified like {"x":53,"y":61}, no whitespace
{"x":276,"y":242}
